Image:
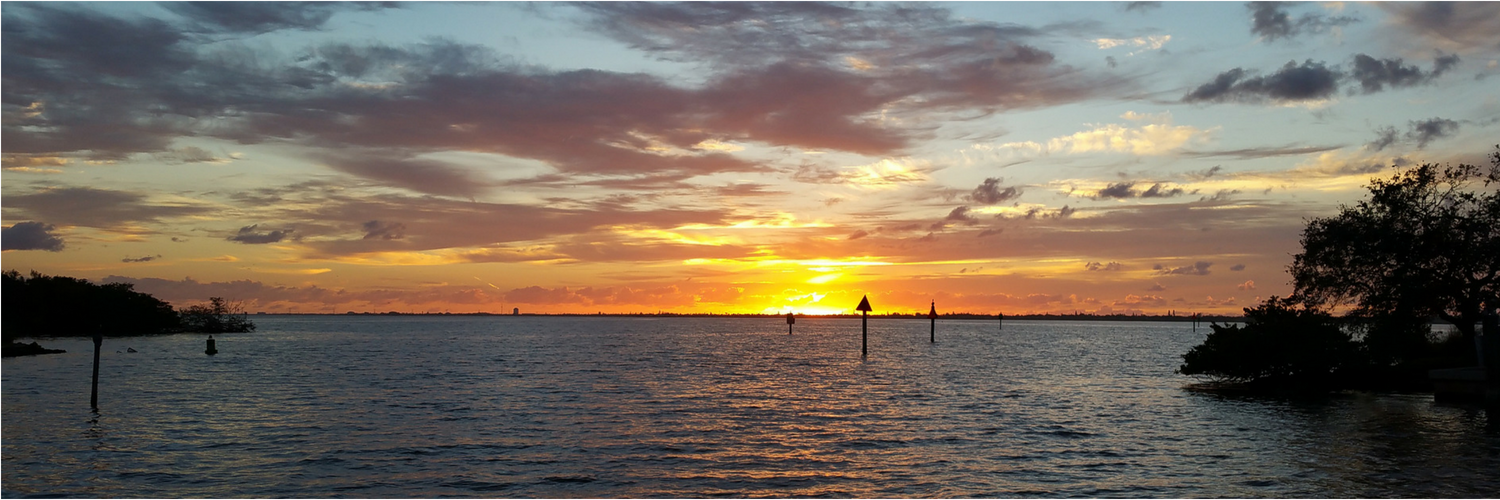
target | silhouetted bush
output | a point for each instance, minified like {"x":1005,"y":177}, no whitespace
{"x":1284,"y":344}
{"x":218,"y":316}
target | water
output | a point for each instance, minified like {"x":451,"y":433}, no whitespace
{"x":314,"y":406}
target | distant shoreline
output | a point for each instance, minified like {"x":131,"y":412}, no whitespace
{"x":960,"y":316}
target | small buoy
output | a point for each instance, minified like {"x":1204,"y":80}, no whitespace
{"x":211,"y":350}
{"x":130,"y":349}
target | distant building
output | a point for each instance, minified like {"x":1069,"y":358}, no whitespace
{"x":515,"y":311}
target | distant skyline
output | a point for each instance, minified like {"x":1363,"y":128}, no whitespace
{"x":1107,"y":158}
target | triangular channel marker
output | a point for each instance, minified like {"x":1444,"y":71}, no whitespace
{"x":864,"y":304}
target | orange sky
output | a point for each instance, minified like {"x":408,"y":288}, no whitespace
{"x":718,"y":157}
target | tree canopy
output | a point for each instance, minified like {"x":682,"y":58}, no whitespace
{"x":1426,"y":243}
{"x":218,"y":316}
{"x":60,"y":306}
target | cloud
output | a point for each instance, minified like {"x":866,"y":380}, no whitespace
{"x":1141,"y":6}
{"x":916,"y":51}
{"x":1199,"y":268}
{"x":97,"y":208}
{"x":249,"y":236}
{"x":1270,"y":21}
{"x":1204,"y":174}
{"x":190,"y":154}
{"x":1144,"y":43}
{"x":1260,"y":152}
{"x":1386,"y":136}
{"x":1309,"y":81}
{"x":811,"y":76}
{"x":1159,"y":138}
{"x":1117,"y":190}
{"x":147,"y":258}
{"x":1454,"y":26}
{"x":1247,"y":285}
{"x":858,"y":234}
{"x":383,"y":230}
{"x":1237,"y":267}
{"x":261,"y":17}
{"x":1126,"y":189}
{"x":1429,"y":130}
{"x":1156,"y":287}
{"x":1420,"y":132}
{"x":989,"y":192}
{"x":1157,"y":191}
{"x":423,"y":176}
{"x":957,"y":215}
{"x":31,"y":236}
{"x":1110,"y":267}
{"x":1374,"y":74}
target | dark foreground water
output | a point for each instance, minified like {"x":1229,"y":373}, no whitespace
{"x":608,"y":407}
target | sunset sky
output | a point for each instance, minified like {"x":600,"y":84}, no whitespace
{"x":718,"y":157}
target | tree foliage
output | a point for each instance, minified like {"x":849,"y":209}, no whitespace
{"x":59,"y":306}
{"x":1284,"y":341}
{"x":218,"y":316}
{"x":1426,"y":243}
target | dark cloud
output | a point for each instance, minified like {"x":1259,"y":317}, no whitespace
{"x":1141,"y":6}
{"x":1156,"y":287}
{"x":958,"y":215}
{"x":384,"y":230}
{"x":261,"y":17}
{"x":1374,"y":74}
{"x":1450,"y":25}
{"x":913,"y":49}
{"x":1158,"y":191}
{"x":1110,"y":267}
{"x":1199,"y":268}
{"x":1309,"y":81}
{"x":989,"y":192}
{"x":1425,"y":131}
{"x":423,"y":176}
{"x":30,"y":236}
{"x":1204,"y":174}
{"x":1221,"y":195}
{"x":783,"y":73}
{"x":989,"y":232}
{"x":1117,"y":190}
{"x":858,"y":234}
{"x":1262,"y":152}
{"x":147,"y":258}
{"x":1237,"y":267}
{"x":1386,"y":136}
{"x":98,"y":208}
{"x":249,"y":236}
{"x":1270,"y":20}
{"x":1126,"y":189}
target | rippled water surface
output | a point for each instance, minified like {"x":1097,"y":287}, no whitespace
{"x":328,"y":406}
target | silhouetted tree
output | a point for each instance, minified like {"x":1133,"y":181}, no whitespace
{"x":1426,"y":243}
{"x":60,"y":306}
{"x":1285,"y":342}
{"x":218,"y":316}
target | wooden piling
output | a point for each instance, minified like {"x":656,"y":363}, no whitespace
{"x":864,"y":326}
{"x":94,"y":389}
{"x":932,"y":315}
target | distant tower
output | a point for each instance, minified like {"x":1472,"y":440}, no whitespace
{"x":515,"y":311}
